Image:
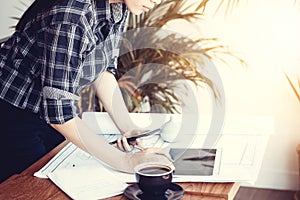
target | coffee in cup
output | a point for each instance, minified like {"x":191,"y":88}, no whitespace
{"x":153,"y":178}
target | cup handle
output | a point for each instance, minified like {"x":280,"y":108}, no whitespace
{"x":133,"y":192}
{"x":170,"y":194}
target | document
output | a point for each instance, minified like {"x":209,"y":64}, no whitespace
{"x":88,"y":182}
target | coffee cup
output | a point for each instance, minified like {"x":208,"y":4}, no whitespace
{"x":153,"y":178}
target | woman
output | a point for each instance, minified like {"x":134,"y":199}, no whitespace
{"x":60,"y":47}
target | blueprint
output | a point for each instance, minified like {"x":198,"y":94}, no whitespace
{"x":239,"y":154}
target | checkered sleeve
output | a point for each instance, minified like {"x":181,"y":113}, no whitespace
{"x":63,"y":55}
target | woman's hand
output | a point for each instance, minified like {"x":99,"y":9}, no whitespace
{"x":124,"y":145}
{"x":148,"y":155}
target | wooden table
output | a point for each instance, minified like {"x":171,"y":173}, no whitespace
{"x":26,"y":186}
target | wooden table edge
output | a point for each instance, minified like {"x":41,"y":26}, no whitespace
{"x":45,"y":159}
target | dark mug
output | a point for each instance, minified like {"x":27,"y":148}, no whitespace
{"x":153,"y":178}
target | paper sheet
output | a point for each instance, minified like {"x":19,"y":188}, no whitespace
{"x":88,"y":182}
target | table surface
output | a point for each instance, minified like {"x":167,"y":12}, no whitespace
{"x":26,"y":186}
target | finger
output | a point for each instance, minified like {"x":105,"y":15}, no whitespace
{"x":133,"y":143}
{"x":129,"y":138}
{"x":120,"y":144}
{"x":139,"y":144}
{"x":126,"y":146}
{"x":133,"y":133}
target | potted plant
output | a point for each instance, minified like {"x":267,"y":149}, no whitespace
{"x":160,"y":93}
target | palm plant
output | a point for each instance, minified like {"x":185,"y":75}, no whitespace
{"x":159,"y":88}
{"x":295,"y":88}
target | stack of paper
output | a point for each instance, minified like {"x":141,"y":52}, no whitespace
{"x":88,"y":183}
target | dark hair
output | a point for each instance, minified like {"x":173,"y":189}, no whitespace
{"x":38,"y":6}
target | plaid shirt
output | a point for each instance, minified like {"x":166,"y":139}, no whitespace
{"x":44,"y":67}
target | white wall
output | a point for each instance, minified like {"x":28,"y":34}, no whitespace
{"x":265,"y":33}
